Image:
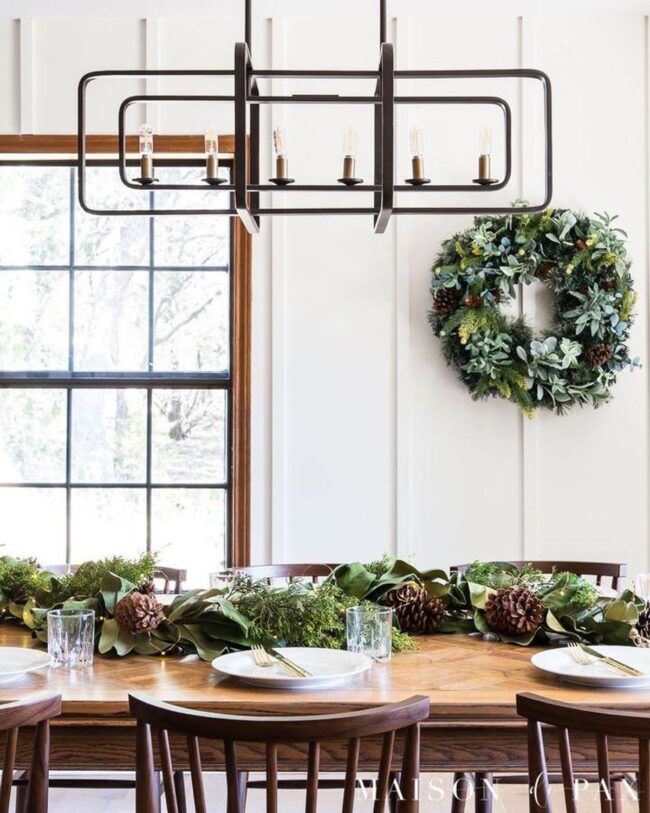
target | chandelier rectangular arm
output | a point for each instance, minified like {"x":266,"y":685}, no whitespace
{"x":246,"y":189}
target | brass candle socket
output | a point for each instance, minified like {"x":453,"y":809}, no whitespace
{"x":484,"y":172}
{"x":212,"y":170}
{"x":349,"y":167}
{"x":417,"y":166}
{"x":211,"y":167}
{"x":146,"y":170}
{"x":281,"y":171}
{"x":484,"y":167}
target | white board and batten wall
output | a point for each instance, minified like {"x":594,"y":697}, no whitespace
{"x":364,"y":442}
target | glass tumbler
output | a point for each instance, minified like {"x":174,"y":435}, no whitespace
{"x":71,"y":637}
{"x":370,"y":631}
{"x":642,"y":586}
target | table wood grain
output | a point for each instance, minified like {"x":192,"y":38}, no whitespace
{"x":472,"y":685}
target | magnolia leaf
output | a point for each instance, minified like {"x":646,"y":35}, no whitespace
{"x":112,"y":637}
{"x":206,"y":648}
{"x":458,"y":625}
{"x":356,"y":580}
{"x":479,"y":594}
{"x":108,"y":638}
{"x":624,"y":611}
{"x":480,"y":623}
{"x":113,"y":589}
{"x":233,"y":614}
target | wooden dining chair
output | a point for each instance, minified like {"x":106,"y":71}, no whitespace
{"x":163,"y":719}
{"x":37,"y":713}
{"x":568,"y":719}
{"x":596,"y":570}
{"x":314,"y":571}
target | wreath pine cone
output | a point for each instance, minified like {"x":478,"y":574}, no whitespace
{"x":415,"y":611}
{"x":598,"y":354}
{"x":514,"y":611}
{"x":139,"y":611}
{"x":445,"y":301}
{"x":474,"y":300}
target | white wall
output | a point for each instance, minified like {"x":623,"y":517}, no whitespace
{"x":364,"y":442}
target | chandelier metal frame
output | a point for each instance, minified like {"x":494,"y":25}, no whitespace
{"x":246,"y":187}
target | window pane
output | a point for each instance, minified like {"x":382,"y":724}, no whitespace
{"x":188,"y":531}
{"x":111,"y":240}
{"x":110,"y":330}
{"x":32,"y":435}
{"x":190,"y":241}
{"x":191,"y":320}
{"x":107,"y":522}
{"x":33,"y":523}
{"x":34,"y":213}
{"x":109,"y":436}
{"x":188,"y":436}
{"x":34,"y":320}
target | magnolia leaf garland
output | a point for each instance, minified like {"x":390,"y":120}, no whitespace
{"x":582,"y":261}
{"x":515,"y":605}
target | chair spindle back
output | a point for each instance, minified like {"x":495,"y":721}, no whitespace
{"x":162,"y":719}
{"x":566,"y":718}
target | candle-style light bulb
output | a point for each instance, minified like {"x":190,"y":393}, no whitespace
{"x":485,"y":148}
{"x":415,"y":142}
{"x":145,"y":138}
{"x":211,"y":154}
{"x":349,"y":157}
{"x":280,"y":150}
{"x":416,"y":145}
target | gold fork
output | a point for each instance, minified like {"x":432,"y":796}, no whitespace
{"x":584,"y":658}
{"x":578,"y":655}
{"x":261,"y":656}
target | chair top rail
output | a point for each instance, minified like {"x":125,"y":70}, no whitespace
{"x":297,"y":728}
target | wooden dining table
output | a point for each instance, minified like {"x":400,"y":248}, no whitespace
{"x":472,"y":685}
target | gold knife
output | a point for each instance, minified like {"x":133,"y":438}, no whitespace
{"x":622,"y":667}
{"x":283,"y":659}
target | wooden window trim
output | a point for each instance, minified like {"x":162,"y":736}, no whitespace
{"x":240,"y":513}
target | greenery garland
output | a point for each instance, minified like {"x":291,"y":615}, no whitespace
{"x":209,"y":622}
{"x":582,"y":261}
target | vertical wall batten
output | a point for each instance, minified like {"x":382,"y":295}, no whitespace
{"x":26,"y":79}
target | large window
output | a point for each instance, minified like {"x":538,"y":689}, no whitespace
{"x":116,"y":379}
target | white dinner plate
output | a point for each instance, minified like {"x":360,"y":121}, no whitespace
{"x":16,"y":661}
{"x":559,"y":662}
{"x":328,"y":667}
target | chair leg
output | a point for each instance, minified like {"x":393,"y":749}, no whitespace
{"x":394,"y":779}
{"x":483,"y":793}
{"x":179,"y":787}
{"x":617,"y":796}
{"x":242,"y":789}
{"x":460,"y":791}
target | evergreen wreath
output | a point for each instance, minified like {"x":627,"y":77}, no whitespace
{"x":583,"y":261}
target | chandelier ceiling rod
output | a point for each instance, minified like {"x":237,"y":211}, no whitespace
{"x":244,"y":190}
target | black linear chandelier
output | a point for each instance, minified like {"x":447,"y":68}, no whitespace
{"x":245,"y":191}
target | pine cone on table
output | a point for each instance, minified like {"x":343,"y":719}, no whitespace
{"x":580,"y":244}
{"x":415,"y":611}
{"x":147,"y":586}
{"x":445,"y":301}
{"x":608,"y":284}
{"x":544,"y":270}
{"x":514,"y":611}
{"x":138,"y":612}
{"x":598,"y":354}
